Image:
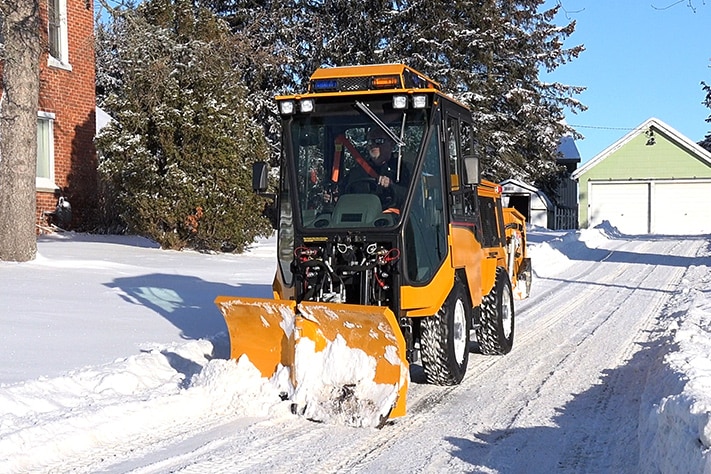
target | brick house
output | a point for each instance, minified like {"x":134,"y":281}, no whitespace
{"x":66,"y":157}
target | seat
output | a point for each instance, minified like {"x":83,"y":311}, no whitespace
{"x":356,"y":210}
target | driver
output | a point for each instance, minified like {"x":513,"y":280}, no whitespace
{"x":378,"y":172}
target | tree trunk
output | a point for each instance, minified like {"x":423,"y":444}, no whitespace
{"x":18,"y":128}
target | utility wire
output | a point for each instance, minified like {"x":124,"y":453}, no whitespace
{"x":599,"y":127}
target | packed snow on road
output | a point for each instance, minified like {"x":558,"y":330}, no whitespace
{"x":115,"y":359}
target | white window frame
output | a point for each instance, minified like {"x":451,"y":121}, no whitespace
{"x":57,"y":18}
{"x":45,"y":183}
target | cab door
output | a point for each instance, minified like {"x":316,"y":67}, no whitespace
{"x":464,"y":215}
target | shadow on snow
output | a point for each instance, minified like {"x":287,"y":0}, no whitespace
{"x":575,"y":249}
{"x":187,"y":302}
{"x":597,"y":429}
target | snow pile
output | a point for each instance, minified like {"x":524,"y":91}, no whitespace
{"x":675,"y":423}
{"x":45,"y":421}
{"x":546,"y":257}
{"x":336,"y":385}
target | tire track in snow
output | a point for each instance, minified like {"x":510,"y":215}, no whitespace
{"x":616,"y":399}
{"x":425,"y":398}
{"x":267,"y":445}
{"x":576,"y":351}
{"x":238,"y":450}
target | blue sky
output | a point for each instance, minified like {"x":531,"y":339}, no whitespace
{"x":643,"y":58}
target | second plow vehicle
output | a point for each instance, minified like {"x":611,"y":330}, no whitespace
{"x":391,"y":248}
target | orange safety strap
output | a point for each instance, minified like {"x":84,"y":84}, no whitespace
{"x":337,"y":160}
{"x":342,"y":141}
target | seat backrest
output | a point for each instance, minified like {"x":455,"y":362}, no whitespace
{"x":356,"y":210}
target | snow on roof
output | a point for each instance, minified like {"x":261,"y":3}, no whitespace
{"x":102,"y":119}
{"x":568,"y":149}
{"x":652,"y":122}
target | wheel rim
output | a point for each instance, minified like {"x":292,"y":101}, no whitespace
{"x":506,"y":314}
{"x":460,"y":332}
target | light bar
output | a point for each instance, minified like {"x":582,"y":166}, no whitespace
{"x":321,"y":85}
{"x":385,"y":82}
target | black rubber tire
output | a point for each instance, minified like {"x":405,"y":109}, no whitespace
{"x":495,"y":332}
{"x":444,"y":339}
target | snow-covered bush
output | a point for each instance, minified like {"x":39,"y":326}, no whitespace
{"x":178,"y":154}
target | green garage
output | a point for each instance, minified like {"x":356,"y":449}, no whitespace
{"x":654,"y":180}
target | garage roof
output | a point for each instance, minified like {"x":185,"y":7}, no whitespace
{"x":649,"y":124}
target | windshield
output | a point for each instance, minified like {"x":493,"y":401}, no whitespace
{"x":349,"y":171}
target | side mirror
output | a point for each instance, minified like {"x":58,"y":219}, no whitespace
{"x":260,"y":181}
{"x":260,"y":184}
{"x":471,"y":167}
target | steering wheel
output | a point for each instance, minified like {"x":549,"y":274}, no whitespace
{"x":371,"y":182}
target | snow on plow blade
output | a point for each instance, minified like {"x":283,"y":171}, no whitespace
{"x":347,"y":363}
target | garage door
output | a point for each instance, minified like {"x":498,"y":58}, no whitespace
{"x":624,"y":205}
{"x":658,"y":207}
{"x":681,"y":208}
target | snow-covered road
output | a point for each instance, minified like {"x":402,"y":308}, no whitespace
{"x":576,"y":394}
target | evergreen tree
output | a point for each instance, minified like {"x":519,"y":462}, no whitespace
{"x":178,"y":154}
{"x":489,"y":53}
{"x":264,"y":43}
{"x":706,"y":142}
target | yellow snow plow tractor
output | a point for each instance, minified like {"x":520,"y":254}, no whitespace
{"x":391,"y":249}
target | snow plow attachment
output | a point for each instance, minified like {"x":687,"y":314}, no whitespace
{"x":347,"y":363}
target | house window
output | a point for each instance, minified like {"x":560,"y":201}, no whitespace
{"x":57,"y":33}
{"x":45,"y":151}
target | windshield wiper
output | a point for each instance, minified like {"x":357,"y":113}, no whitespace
{"x":365,"y":109}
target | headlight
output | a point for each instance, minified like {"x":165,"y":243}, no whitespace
{"x":419,"y":101}
{"x":306,"y":105}
{"x":399,"y":102}
{"x":286,"y":107}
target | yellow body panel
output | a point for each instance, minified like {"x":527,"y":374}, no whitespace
{"x":425,"y":300}
{"x":488,"y":272}
{"x":281,"y":291}
{"x":468,"y":254}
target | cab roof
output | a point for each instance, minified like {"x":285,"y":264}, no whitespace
{"x":368,"y":77}
{"x":366,"y":80}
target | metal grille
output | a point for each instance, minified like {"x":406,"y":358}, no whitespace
{"x":353,"y":83}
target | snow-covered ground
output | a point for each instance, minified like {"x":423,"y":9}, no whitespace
{"x":114,"y":359}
